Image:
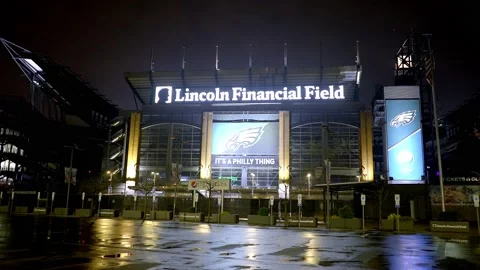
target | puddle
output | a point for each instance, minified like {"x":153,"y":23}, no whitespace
{"x":232,"y":246}
{"x":454,"y":263}
{"x":326,"y":263}
{"x":118,"y":255}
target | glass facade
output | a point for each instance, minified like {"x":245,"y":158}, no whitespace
{"x":313,"y":137}
{"x":166,"y":144}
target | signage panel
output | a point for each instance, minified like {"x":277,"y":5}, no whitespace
{"x":173,"y":95}
{"x":245,"y":144}
{"x":397,"y":200}
{"x":205,"y":184}
{"x":363,"y":199}
{"x":404,"y":141}
{"x":475,"y":200}
{"x":240,"y":161}
{"x":246,"y":138}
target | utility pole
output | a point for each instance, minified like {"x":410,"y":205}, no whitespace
{"x":327,"y":167}
{"x":70,"y":175}
{"x":437,"y":135}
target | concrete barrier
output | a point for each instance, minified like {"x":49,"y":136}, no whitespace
{"x":108,"y":213}
{"x":225,"y":218}
{"x":4,"y":208}
{"x":162,"y":215}
{"x":262,"y":220}
{"x":40,"y":211}
{"x":83,"y":212}
{"x":60,"y":211}
{"x":133,"y":214}
{"x":195,"y":217}
{"x":21,"y":210}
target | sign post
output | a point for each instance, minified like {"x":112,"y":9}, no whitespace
{"x":223,"y":198}
{"x":195,"y":201}
{"x":219,"y":207}
{"x":363,"y":199}
{"x":476,"y":204}
{"x":397,"y":205}
{"x":153,"y":202}
{"x":99,"y":202}
{"x":11,"y":202}
{"x":299,"y":197}
{"x":272,"y":200}
{"x":83,"y":198}
{"x":134,"y":201}
{"x":51,"y":205}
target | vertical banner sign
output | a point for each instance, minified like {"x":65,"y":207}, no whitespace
{"x":71,"y":175}
{"x":404,"y":140}
{"x":397,"y":200}
{"x":363,"y":199}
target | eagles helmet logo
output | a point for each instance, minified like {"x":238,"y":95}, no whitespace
{"x":245,"y":138}
{"x":403,"y":119}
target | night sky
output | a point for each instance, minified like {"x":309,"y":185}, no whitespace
{"x":100,"y":40}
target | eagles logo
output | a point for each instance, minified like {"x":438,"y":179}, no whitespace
{"x":245,"y":138}
{"x":403,"y":119}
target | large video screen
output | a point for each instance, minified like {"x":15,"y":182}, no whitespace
{"x":404,"y":141}
{"x":245,"y":144}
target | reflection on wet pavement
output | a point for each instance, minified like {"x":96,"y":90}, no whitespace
{"x":68,"y":243}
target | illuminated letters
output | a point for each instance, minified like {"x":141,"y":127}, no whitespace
{"x":167,"y":94}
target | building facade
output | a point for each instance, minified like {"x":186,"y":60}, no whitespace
{"x":263,"y":129}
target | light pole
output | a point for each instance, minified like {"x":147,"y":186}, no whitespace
{"x":70,"y":174}
{"x":154,"y":175}
{"x":175,"y":184}
{"x":253,"y":182}
{"x":437,"y":134}
{"x":309,"y":183}
{"x":110,"y":182}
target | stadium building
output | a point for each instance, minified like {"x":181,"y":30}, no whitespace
{"x":268,"y":130}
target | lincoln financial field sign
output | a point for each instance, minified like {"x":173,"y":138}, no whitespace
{"x":169,"y":94}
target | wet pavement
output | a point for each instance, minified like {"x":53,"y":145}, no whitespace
{"x":70,"y":243}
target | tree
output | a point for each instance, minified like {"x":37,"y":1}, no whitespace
{"x":146,"y":188}
{"x":92,"y":185}
{"x":380,"y":192}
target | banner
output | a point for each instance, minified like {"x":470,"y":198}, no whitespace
{"x":454,"y":195}
{"x":404,"y":140}
{"x":239,"y":161}
{"x":71,"y":175}
{"x":245,"y":139}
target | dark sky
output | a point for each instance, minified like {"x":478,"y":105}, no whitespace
{"x":102,"y":39}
